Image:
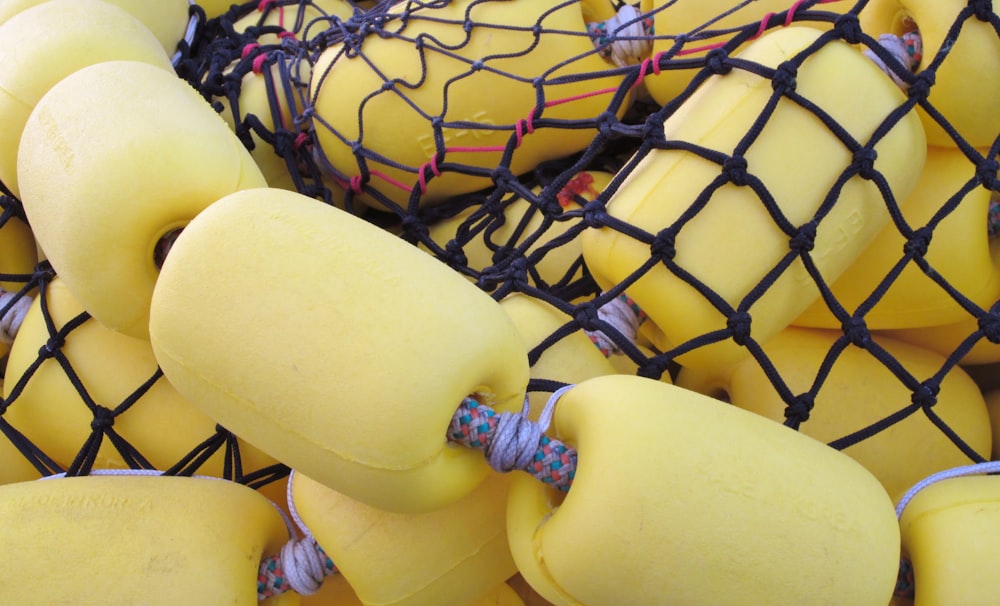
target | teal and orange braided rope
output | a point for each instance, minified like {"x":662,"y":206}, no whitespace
{"x":476,"y":425}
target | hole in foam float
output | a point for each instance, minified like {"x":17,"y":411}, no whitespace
{"x":163,"y":246}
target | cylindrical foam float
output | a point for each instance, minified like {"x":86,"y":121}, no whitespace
{"x":137,"y":540}
{"x":732,"y":243}
{"x":681,"y":499}
{"x":858,"y":392}
{"x":114,"y":159}
{"x":334,"y":346}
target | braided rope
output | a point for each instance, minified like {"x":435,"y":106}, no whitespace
{"x":625,"y":316}
{"x":301,"y":567}
{"x":625,"y":39}
{"x":13,"y":308}
{"x":476,"y":425}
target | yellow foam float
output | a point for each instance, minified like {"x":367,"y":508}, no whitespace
{"x":732,"y":243}
{"x":299,"y":20}
{"x":43,"y":44}
{"x":18,"y":254}
{"x":681,"y":499}
{"x":47,"y":408}
{"x":137,"y":540}
{"x":973,"y":57}
{"x":946,"y":532}
{"x":697,"y":19}
{"x":166,"y":19}
{"x":355,"y":348}
{"x":960,"y":251}
{"x":858,"y":392}
{"x":453,"y":555}
{"x":946,"y":338}
{"x":455,"y":77}
{"x":115,"y":158}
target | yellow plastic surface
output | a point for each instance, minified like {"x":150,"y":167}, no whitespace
{"x":946,"y":338}
{"x":480,"y":246}
{"x":97,"y":540}
{"x":332,"y":345}
{"x":346,"y":89}
{"x":17,"y":252}
{"x":732,"y":243}
{"x":858,"y":392}
{"x":114,"y":157}
{"x":967,"y":84}
{"x":302,"y":20}
{"x":960,"y":251}
{"x":948,"y":530}
{"x":166,"y":19}
{"x":572,"y":359}
{"x":451,"y":556}
{"x":161,"y":424}
{"x":681,"y":499}
{"x":992,"y":398}
{"x":697,"y":18}
{"x":43,"y":44}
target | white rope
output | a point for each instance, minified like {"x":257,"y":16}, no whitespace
{"x":516,"y":439}
{"x":17,"y":307}
{"x":955,"y":472}
{"x":304,"y":565}
{"x":620,"y":314}
{"x":896,"y":46}
{"x":624,"y":37}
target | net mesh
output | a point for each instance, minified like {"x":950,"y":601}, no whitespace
{"x":498,"y":160}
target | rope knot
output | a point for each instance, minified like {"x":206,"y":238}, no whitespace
{"x":982,"y":9}
{"x":515,"y":442}
{"x":625,"y":38}
{"x":987,"y":171}
{"x":518,"y":273}
{"x":594,"y":214}
{"x":735,"y":169}
{"x":798,"y":411}
{"x":920,"y":88}
{"x":848,"y":27}
{"x":663,"y":246}
{"x":917,"y":244}
{"x":783,"y":81}
{"x":864,"y":163}
{"x":652,"y":131}
{"x":587,"y":317}
{"x":606,"y":123}
{"x":104,"y":418}
{"x":454,"y":256}
{"x":414,"y":227}
{"x":51,"y":347}
{"x":856,"y":330}
{"x":739,"y":327}
{"x":804,"y":239}
{"x":717,"y":60}
{"x":925,"y":396}
{"x":989,"y":324}
{"x":503,"y":178}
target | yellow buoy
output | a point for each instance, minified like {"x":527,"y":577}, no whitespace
{"x":120,"y":378}
{"x":960,"y":251}
{"x":115,"y":158}
{"x":732,"y":243}
{"x":435,"y":94}
{"x":973,"y":57}
{"x":681,"y":499}
{"x":334,"y":346}
{"x":165,"y":19}
{"x":946,"y":530}
{"x":137,"y":540}
{"x":43,"y":44}
{"x":858,"y":392}
{"x":453,"y":555}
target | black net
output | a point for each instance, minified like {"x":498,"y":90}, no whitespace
{"x":499,"y":136}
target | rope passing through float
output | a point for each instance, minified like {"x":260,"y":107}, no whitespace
{"x":13,"y":308}
{"x":626,"y":39}
{"x":625,"y":316}
{"x":907,"y":49}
